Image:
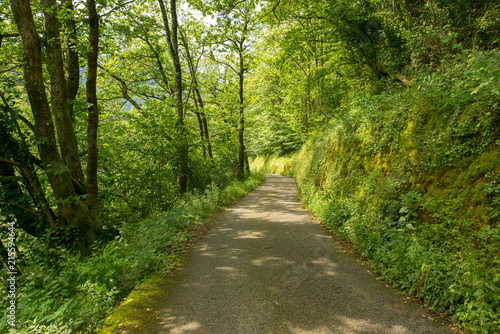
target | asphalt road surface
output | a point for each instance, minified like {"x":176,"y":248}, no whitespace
{"x":266,"y":267}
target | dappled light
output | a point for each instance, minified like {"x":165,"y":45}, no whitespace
{"x":281,"y":280}
{"x":129,"y":129}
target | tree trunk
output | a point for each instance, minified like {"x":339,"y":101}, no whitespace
{"x":93,"y":121}
{"x":241,"y":128}
{"x":182,"y":146}
{"x":247,"y":163}
{"x":5,"y":257}
{"x":72,"y":63}
{"x":198,"y":101}
{"x":59,"y":176}
{"x":26,"y":168}
{"x":26,"y":218}
{"x":58,"y":92}
{"x":207,"y":137}
{"x":202,"y":134}
{"x":308,"y":103}
{"x":307,"y":106}
{"x":71,"y":211}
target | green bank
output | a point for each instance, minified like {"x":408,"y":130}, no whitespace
{"x":411,"y":177}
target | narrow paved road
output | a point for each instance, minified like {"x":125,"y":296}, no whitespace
{"x":265,"y":267}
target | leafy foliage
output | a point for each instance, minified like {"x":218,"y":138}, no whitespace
{"x":385,"y":111}
{"x":410,"y":177}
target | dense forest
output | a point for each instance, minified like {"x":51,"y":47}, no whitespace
{"x":126,"y":123}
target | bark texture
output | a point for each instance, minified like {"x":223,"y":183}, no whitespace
{"x":72,"y":63}
{"x":57,"y":173}
{"x":93,"y":120}
{"x":63,"y":168}
{"x":58,"y":92}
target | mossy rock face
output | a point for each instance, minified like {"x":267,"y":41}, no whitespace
{"x":484,"y":163}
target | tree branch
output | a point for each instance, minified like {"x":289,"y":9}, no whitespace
{"x":273,"y":10}
{"x":7,"y":35}
{"x":160,"y":65}
{"x":20,"y":207}
{"x":25,"y":121}
{"x":123,"y":87}
{"x":116,"y":8}
{"x":21,"y":117}
{"x":226,"y":64}
{"x":149,"y":95}
{"x":12,"y":68}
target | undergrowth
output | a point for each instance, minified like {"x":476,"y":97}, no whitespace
{"x":411,"y":176}
{"x":61,"y":292}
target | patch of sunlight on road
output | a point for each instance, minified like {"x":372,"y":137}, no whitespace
{"x":224,"y":229}
{"x":328,"y":267}
{"x":250,"y":235}
{"x":225,"y":268}
{"x":360,"y":325}
{"x":190,"y":326}
{"x":265,"y":261}
{"x":296,"y":330}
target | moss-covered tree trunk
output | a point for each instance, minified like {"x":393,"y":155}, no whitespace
{"x":63,"y":168}
{"x":58,"y":93}
{"x":72,"y":58}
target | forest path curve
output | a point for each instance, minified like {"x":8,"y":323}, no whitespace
{"x":266,"y":267}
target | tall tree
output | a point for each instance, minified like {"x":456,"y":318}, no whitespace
{"x":173,"y":46}
{"x":59,"y":94}
{"x":61,"y":164}
{"x":93,"y":111}
{"x":236,"y":23}
{"x":198,"y":100}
